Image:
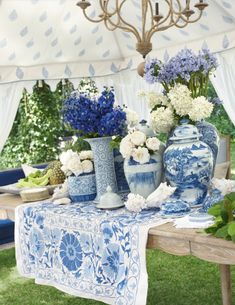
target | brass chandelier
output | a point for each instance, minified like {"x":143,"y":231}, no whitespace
{"x":178,"y":13}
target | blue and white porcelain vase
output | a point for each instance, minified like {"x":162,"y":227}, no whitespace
{"x":209,"y":135}
{"x":104,"y":165}
{"x":82,"y":188}
{"x":119,"y":172}
{"x":188,"y":164}
{"x":143,"y":179}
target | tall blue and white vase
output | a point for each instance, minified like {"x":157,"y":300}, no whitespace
{"x":209,"y":135}
{"x":82,"y":188}
{"x":188,"y":164}
{"x":104,"y":165}
{"x":119,"y":171}
{"x":143,"y":179}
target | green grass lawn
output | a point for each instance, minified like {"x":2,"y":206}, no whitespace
{"x":172,"y":281}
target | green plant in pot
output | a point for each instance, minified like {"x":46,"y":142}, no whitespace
{"x":223,"y":212}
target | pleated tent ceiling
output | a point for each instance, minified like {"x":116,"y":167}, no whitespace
{"x":51,"y":39}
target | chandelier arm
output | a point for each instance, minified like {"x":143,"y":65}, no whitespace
{"x":109,"y":22}
{"x":151,"y":13}
{"x":104,"y":7}
{"x":121,"y":20}
{"x":145,"y":4}
{"x":92,"y":20}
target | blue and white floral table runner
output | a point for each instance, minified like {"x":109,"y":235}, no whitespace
{"x":85,"y":251}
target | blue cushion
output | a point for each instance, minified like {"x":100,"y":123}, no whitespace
{"x":6,"y":231}
{"x":10,"y":176}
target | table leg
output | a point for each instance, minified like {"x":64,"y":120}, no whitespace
{"x":225,"y":277}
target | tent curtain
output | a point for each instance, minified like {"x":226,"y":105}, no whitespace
{"x":10,"y":95}
{"x":224,"y":80}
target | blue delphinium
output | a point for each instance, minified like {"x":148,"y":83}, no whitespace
{"x":106,"y":101}
{"x":113,"y":123}
{"x":94,"y":117}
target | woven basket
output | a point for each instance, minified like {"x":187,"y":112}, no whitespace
{"x":35,"y":194}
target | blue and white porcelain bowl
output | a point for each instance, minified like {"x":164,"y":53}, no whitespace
{"x":174,"y":208}
{"x":82,"y":188}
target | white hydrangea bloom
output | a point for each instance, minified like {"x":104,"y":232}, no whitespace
{"x":132,"y":117}
{"x":153,"y":143}
{"x":135,"y":203}
{"x":86,"y":155}
{"x":180,"y":99}
{"x":201,"y":109}
{"x":141,"y":155}
{"x":138,"y":138}
{"x":225,"y":186}
{"x":87,"y":166}
{"x":162,"y":119}
{"x":161,"y":194}
{"x":155,"y":99}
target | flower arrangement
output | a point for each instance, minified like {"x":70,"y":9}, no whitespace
{"x":167,"y":110}
{"x":74,"y":163}
{"x":187,"y":68}
{"x":97,"y":116}
{"x":185,"y":79}
{"x":138,"y":147}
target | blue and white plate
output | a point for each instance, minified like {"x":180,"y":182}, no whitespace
{"x":200,"y":217}
{"x":172,"y":215}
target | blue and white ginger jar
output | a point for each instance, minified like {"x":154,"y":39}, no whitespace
{"x":188,"y":164}
{"x":82,"y":188}
{"x":209,"y":135}
{"x":143,"y":179}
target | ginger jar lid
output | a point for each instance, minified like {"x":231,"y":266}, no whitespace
{"x":185,"y":131}
{"x":110,"y":200}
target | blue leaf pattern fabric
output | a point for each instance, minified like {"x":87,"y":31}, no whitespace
{"x":85,"y":251}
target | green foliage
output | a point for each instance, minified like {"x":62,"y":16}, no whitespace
{"x":37,"y":128}
{"x":223,"y":212}
{"x":219,"y":117}
{"x":76,"y":144}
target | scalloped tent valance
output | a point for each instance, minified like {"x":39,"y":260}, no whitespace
{"x":50,"y":39}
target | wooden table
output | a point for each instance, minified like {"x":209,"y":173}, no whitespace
{"x":178,"y":242}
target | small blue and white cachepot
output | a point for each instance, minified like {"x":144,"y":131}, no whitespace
{"x":213,"y":198}
{"x":82,"y":188}
{"x":143,"y":179}
{"x":188,"y":164}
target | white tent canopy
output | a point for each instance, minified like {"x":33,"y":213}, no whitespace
{"x":51,"y":40}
